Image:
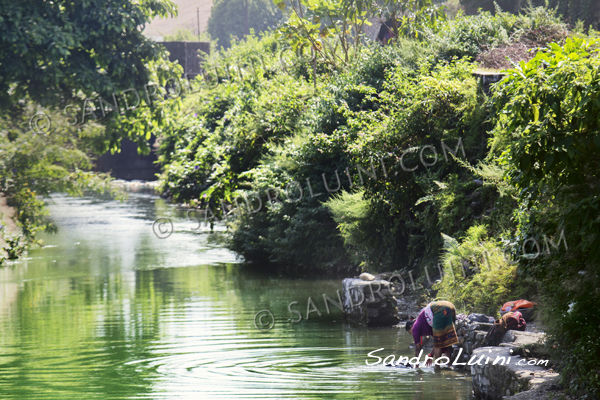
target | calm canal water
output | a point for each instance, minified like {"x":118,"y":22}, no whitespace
{"x":106,"y":310}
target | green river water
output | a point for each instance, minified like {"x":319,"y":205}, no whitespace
{"x":106,"y":310}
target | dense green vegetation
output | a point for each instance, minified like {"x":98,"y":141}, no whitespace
{"x":547,"y":140}
{"x":572,"y":10}
{"x":393,"y":158}
{"x":264,"y":122}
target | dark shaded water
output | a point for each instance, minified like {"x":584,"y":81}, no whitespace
{"x":109,"y":311}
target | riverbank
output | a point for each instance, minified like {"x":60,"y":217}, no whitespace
{"x":7,"y":221}
{"x":526,"y":376}
{"x":547,"y":390}
{"x":500,"y":371}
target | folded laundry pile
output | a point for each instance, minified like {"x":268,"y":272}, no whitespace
{"x":526,"y":307}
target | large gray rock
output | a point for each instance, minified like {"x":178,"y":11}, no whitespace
{"x":369,"y":303}
{"x":471,"y":335}
{"x":520,"y":338}
{"x":481,"y":326}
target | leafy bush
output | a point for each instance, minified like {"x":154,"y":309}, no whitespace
{"x":379,"y":106}
{"x":14,"y":246}
{"x":222,"y":130}
{"x":571,"y":11}
{"x":432,"y":107}
{"x":297,"y":234}
{"x":366,"y":232}
{"x":345,"y":131}
{"x":477,"y":274}
{"x":270,"y":128}
{"x":471,"y":36}
{"x":468,"y":36}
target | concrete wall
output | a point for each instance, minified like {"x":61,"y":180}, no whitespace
{"x":128,"y":164}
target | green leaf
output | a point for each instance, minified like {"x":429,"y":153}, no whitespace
{"x":441,"y":185}
{"x":549,"y":160}
{"x":424,"y":200}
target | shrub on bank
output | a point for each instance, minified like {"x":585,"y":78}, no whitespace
{"x":547,"y":140}
{"x":224,"y":127}
{"x":478,"y":275}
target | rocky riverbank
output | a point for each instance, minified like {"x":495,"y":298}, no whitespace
{"x":498,"y":371}
{"x":501,"y":372}
{"x":507,"y":371}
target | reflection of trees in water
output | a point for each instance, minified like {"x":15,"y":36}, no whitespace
{"x":104,"y":336}
{"x":92,"y":327}
{"x":70,"y":335}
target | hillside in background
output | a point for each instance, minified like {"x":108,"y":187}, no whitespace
{"x":187,"y":17}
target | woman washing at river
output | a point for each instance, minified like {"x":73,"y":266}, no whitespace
{"x":437,"y":320}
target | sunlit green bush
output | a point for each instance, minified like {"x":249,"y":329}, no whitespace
{"x":472,"y":35}
{"x":250,"y":101}
{"x":478,"y":275}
